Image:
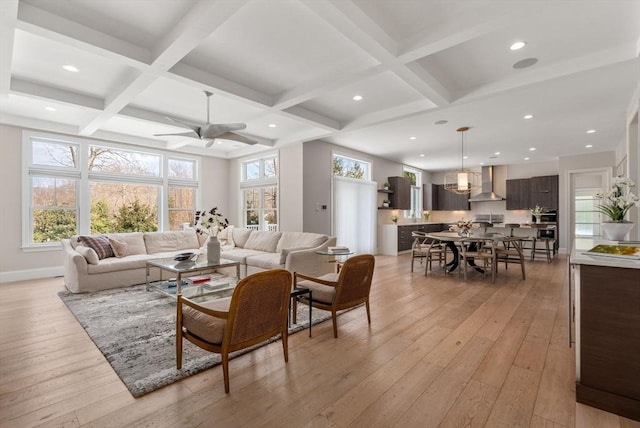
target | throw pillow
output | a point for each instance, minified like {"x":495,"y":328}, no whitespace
{"x":88,"y":253}
{"x":99,"y":244}
{"x":285,"y":252}
{"x":120,"y":249}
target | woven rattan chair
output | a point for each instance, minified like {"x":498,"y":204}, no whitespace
{"x":256,"y":312}
{"x":426,"y":249}
{"x":509,"y":250}
{"x":477,"y":249}
{"x":337,"y":291}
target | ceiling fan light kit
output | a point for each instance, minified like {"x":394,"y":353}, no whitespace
{"x":463,"y":181}
{"x":209,"y":132}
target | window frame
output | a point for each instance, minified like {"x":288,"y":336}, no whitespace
{"x":261,"y":183}
{"x":416,"y":194}
{"x":85,"y":177}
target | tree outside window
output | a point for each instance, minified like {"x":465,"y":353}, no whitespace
{"x":351,"y":168}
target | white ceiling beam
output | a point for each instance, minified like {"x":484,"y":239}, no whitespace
{"x":354,"y":24}
{"x":128,"y":88}
{"x":557,"y":70}
{"x":151,"y":116}
{"x":204,"y":18}
{"x":387,"y":115}
{"x":217,"y":84}
{"x":8,"y":15}
{"x":44,"y":125}
{"x":312,"y":118}
{"x":54,"y":27}
{"x":50,"y":93}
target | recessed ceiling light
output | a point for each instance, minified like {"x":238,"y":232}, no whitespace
{"x":517,"y":45}
{"x":273,"y":125}
{"x":421,"y":155}
{"x":497,"y":153}
{"x":70,"y":68}
{"x":526,"y":158}
{"x":412,"y":138}
{"x":218,"y":142}
{"x":591,"y":131}
{"x":527,"y":62}
{"x":357,"y":98}
{"x":50,"y":109}
{"x":588,"y":146}
{"x":441,"y":122}
{"x":532,"y":149}
{"x":465,"y":157}
{"x":481,"y":163}
{"x":528,"y":116}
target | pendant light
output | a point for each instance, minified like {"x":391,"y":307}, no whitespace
{"x":463,"y":181}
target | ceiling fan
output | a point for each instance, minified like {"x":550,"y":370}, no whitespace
{"x":209,"y":132}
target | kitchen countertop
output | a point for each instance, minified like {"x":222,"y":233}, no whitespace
{"x":578,"y":257}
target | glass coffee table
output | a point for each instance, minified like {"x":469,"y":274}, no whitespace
{"x":181,"y":271}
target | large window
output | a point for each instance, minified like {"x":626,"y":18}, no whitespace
{"x":415,"y":177}
{"x":259,"y":188}
{"x":76,"y":186}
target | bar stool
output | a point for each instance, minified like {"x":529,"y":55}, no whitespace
{"x":547,"y":241}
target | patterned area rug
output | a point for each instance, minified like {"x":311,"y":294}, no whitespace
{"x":135,"y":330}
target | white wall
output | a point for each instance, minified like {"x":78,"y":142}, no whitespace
{"x":291,"y":188}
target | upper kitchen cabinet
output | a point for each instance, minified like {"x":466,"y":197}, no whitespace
{"x":401,"y":196}
{"x":526,"y":193}
{"x":544,"y":192}
{"x":518,"y":194}
{"x":444,"y":200}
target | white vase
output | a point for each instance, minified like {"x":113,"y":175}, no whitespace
{"x":213,"y":250}
{"x":616,"y":231}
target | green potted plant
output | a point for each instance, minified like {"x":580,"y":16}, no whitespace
{"x":385,"y":186}
{"x":386,"y":203}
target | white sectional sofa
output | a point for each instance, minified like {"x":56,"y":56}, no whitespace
{"x":255,"y":250}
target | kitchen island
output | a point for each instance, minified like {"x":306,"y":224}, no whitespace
{"x":606,"y":314}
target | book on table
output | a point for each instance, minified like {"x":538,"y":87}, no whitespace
{"x":198,"y":279}
{"x":615,"y":250}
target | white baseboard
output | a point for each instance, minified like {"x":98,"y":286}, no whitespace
{"x":23,"y":275}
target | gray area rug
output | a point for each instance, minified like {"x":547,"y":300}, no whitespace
{"x":135,"y":330}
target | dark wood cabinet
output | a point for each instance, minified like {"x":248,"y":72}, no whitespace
{"x":401,"y":196}
{"x":405,"y":240}
{"x":519,"y":194}
{"x":525,"y":193}
{"x":445,"y":200}
{"x":544,"y":191}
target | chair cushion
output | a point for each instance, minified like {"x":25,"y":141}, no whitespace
{"x":205,"y":326}
{"x":320,"y":292}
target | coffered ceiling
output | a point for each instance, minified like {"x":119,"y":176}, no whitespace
{"x":297,"y":64}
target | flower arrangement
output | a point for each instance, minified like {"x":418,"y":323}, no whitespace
{"x":462,"y":226}
{"x":210,"y":222}
{"x":537,"y":211}
{"x":618,"y":200}
{"x":425,"y":215}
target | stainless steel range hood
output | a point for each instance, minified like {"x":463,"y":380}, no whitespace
{"x":487,"y":194}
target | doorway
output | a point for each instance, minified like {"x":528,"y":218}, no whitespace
{"x":585,"y":219}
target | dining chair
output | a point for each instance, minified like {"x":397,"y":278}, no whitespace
{"x":477,"y":248}
{"x":257,"y":311}
{"x":426,"y":249}
{"x":337,"y":291}
{"x":509,"y":250}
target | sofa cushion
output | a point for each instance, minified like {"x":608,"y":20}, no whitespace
{"x":263,"y":241}
{"x":120,"y":249}
{"x":99,"y":244}
{"x":159,"y":242}
{"x":134,"y":241}
{"x":205,"y":326}
{"x":240,"y":236}
{"x":300,"y":240}
{"x":265,"y":261}
{"x":113,"y":264}
{"x":240,"y":254}
{"x":89,"y":254}
{"x":322,"y":293}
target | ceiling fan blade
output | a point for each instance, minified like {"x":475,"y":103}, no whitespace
{"x":237,"y":137}
{"x":195,"y":128}
{"x":210,"y":142}
{"x":216,"y":129}
{"x":191,"y":134}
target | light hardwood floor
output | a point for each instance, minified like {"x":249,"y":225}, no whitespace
{"x":439,"y":352}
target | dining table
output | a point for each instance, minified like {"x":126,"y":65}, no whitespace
{"x":450,"y":239}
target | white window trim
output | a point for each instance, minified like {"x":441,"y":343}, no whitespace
{"x":259,"y":183}
{"x":85,"y":177}
{"x":420,"y":202}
